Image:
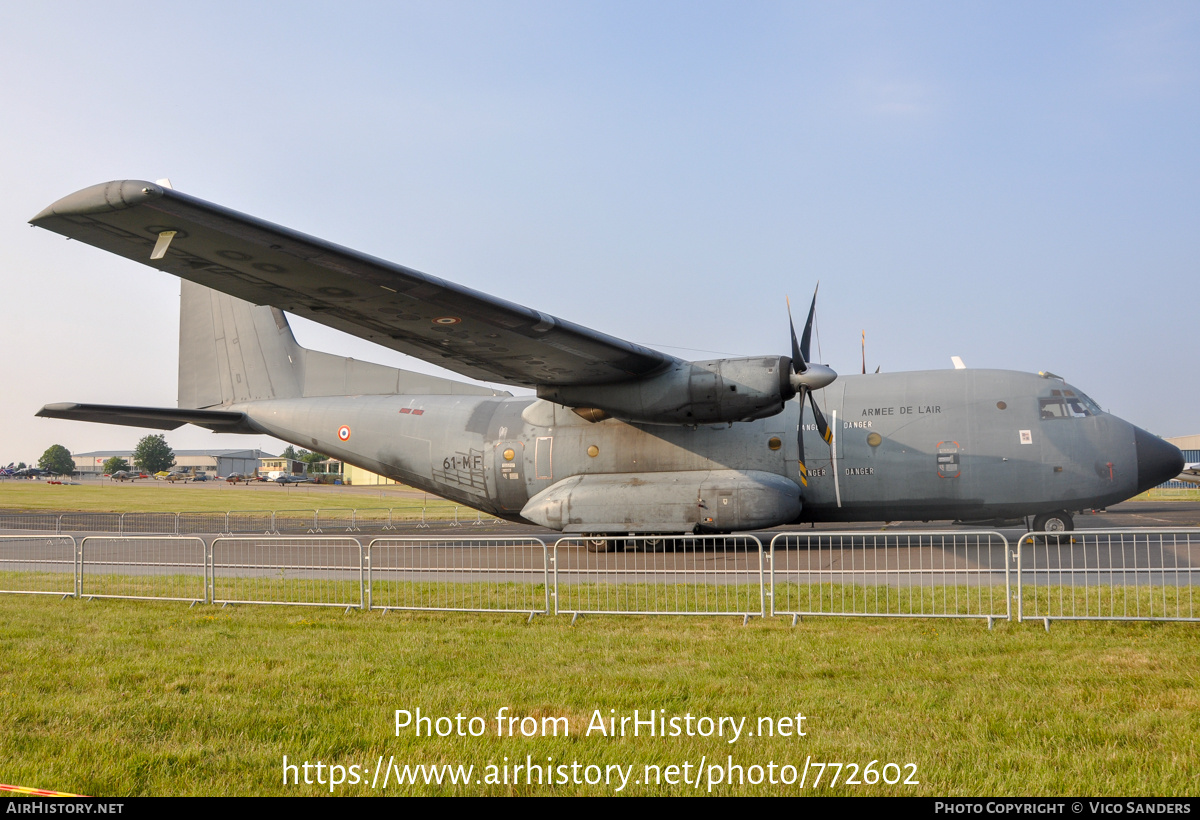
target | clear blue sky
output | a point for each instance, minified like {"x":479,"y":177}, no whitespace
{"x":1014,"y":183}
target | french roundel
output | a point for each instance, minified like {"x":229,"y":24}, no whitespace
{"x":344,"y":433}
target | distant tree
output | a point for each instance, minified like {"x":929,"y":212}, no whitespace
{"x":153,"y":455}
{"x":303,"y":455}
{"x":22,"y":465}
{"x":57,"y":459}
{"x":114,"y":464}
{"x":311,"y":458}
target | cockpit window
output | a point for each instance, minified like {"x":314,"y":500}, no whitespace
{"x":1067,"y":404}
{"x":1053,"y":408}
{"x":1092,"y":407}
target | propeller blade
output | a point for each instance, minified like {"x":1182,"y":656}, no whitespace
{"x":800,"y":438}
{"x":807,"y":337}
{"x":806,"y":378}
{"x":799,"y":365}
{"x":822,"y":425}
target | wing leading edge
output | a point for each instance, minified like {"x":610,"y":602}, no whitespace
{"x":463,"y":330}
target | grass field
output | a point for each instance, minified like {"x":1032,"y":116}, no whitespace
{"x":130,"y":697}
{"x":116,"y":698}
{"x":158,"y":496}
{"x":1170,"y":494}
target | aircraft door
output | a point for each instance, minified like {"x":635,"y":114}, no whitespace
{"x":511,"y":491}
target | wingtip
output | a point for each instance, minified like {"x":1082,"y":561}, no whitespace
{"x":51,"y":411}
{"x":103,"y":198}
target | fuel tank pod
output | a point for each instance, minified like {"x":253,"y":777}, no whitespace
{"x":668,"y":502}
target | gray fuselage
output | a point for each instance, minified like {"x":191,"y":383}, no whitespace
{"x":955,"y":444}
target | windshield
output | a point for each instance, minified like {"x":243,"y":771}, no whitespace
{"x":1067,"y":404}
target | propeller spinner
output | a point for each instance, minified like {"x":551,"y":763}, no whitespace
{"x":807,"y":377}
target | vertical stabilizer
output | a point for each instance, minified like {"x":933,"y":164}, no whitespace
{"x":233,"y":351}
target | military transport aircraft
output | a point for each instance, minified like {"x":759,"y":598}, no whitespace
{"x":620,"y":438}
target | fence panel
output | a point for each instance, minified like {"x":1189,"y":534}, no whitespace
{"x":38,"y":564}
{"x":165,"y":567}
{"x":244,"y":521}
{"x":90,"y":522}
{"x":335,"y":519}
{"x":463,"y":574}
{"x":36,"y":522}
{"x":149,"y":522}
{"x":660,"y":575}
{"x":373,"y":519}
{"x":962,"y":574}
{"x":205,"y":522}
{"x":298,"y":570}
{"x":296,"y":521}
{"x":1147,"y":575}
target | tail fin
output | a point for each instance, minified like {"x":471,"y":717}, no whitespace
{"x":232,"y":351}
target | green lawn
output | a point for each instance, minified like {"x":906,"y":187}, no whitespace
{"x":116,"y":698}
{"x":129,"y":697}
{"x":159,"y":496}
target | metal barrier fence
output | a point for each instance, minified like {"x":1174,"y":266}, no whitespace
{"x":300,"y":570}
{"x":1085,"y":575}
{"x":660,"y":575}
{"x":245,"y":521}
{"x":149,"y":523}
{"x":336,"y":519}
{"x":267,"y":522}
{"x":294,"y":521}
{"x":166,"y":568}
{"x":505,"y":574}
{"x":1148,"y":574}
{"x":38,"y":522}
{"x":39,"y":565}
{"x":89,"y":522}
{"x":370,"y":520}
{"x":962,"y":574}
{"x":188,"y":523}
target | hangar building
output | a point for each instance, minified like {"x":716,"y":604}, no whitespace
{"x":220,"y":462}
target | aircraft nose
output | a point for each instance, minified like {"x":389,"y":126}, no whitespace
{"x":1157,"y":460}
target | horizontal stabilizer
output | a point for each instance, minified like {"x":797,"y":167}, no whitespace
{"x":158,"y":418}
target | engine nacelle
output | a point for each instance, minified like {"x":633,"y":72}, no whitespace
{"x":719,"y":390}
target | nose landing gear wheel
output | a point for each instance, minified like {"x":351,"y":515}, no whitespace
{"x":1054,"y":522}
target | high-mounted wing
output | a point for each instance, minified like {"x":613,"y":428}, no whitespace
{"x":460,"y":329}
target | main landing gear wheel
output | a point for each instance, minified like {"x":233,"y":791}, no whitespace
{"x":1060,"y":521}
{"x":650,"y":544}
{"x":598,"y":543}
